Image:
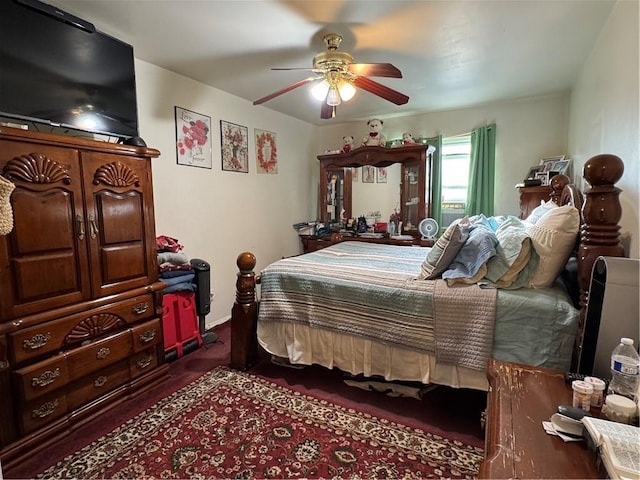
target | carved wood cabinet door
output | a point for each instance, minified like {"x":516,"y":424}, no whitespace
{"x":120,"y":222}
{"x":44,"y":260}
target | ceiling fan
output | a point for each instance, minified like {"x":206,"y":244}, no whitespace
{"x":336,"y":78}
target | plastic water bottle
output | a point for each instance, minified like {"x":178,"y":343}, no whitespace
{"x":625,"y":362}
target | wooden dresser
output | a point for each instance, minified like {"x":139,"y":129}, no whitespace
{"x":80,"y":311}
{"x":530,"y":198}
{"x":312,"y":243}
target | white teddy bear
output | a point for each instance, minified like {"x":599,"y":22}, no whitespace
{"x":375,"y":137}
{"x":407,"y":139}
{"x":347,"y":143}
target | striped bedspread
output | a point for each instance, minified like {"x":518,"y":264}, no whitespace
{"x":372,"y":291}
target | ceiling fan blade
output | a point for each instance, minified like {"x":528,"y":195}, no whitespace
{"x":294,"y":68}
{"x":327,"y":111}
{"x":380,"y":90}
{"x":375,"y":70}
{"x":284,"y":90}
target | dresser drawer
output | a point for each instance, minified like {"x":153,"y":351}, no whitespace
{"x":143,"y":362}
{"x":39,"y":412}
{"x":42,"y":377}
{"x":97,"y":355}
{"x":147,"y":334}
{"x":97,"y":384}
{"x":69,"y":331}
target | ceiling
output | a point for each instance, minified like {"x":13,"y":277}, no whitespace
{"x":452,"y":54}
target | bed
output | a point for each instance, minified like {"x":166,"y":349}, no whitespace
{"x":407,"y":313}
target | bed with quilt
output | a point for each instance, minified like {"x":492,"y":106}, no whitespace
{"x":490,"y":287}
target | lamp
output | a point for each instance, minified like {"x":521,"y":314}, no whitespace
{"x":333,"y":91}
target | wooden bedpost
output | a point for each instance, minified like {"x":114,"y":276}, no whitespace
{"x":600,"y":232}
{"x":244,"y":315}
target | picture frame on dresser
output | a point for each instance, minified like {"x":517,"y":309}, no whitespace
{"x":533,"y":170}
{"x":548,"y":162}
{"x":562,"y":166}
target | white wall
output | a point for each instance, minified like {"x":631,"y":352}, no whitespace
{"x":527,"y":130}
{"x":216,"y":215}
{"x":604,"y":108}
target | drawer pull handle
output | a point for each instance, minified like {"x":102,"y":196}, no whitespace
{"x":46,"y":378}
{"x":100,"y":381}
{"x":140,"y":308}
{"x":80,"y":222}
{"x":144,"y":362}
{"x":103,"y":353}
{"x":39,"y":340}
{"x":148,"y":336}
{"x":45,"y":409}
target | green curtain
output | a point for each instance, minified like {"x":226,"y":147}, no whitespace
{"x":435,"y":195}
{"x":482,"y":171}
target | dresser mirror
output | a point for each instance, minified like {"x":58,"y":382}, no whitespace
{"x":407,"y":188}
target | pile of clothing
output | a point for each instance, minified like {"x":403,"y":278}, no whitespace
{"x":175,"y":269}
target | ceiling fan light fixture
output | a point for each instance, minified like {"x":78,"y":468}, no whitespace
{"x":333,"y":97}
{"x":320,"y":90}
{"x":347,"y":91}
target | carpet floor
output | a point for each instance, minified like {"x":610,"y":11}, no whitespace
{"x":443,"y":414}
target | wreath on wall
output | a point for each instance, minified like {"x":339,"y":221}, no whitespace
{"x":267,"y":143}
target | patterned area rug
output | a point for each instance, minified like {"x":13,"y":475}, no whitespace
{"x":229,"y":424}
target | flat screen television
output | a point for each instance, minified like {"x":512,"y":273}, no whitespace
{"x":56,"y":69}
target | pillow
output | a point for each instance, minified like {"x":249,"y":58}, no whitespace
{"x":540,"y":210}
{"x":476,"y":251}
{"x":512,"y":253}
{"x":445,"y":249}
{"x":482,"y":271}
{"x":554,"y":236}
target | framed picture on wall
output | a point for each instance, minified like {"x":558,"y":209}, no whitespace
{"x":266,"y":152}
{"x":368,"y":173}
{"x":193,"y":138}
{"x":234,"y":146}
{"x":381,"y":174}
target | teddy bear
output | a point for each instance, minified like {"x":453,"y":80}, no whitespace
{"x":407,"y":139}
{"x":375,"y":137}
{"x":347,"y":143}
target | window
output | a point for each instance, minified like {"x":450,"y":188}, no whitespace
{"x":456,"y":157}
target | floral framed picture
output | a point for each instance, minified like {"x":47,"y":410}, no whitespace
{"x":368,"y":173}
{"x":193,"y":138}
{"x":381,"y":174}
{"x":234,"y":146}
{"x":266,"y":151}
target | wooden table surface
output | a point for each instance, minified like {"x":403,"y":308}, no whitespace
{"x":520,"y":399}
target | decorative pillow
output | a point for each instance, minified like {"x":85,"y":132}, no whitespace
{"x":554,"y":236}
{"x":445,"y":249}
{"x":540,"y":210}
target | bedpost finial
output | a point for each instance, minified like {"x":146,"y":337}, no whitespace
{"x":246,"y":262}
{"x":603,"y":169}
